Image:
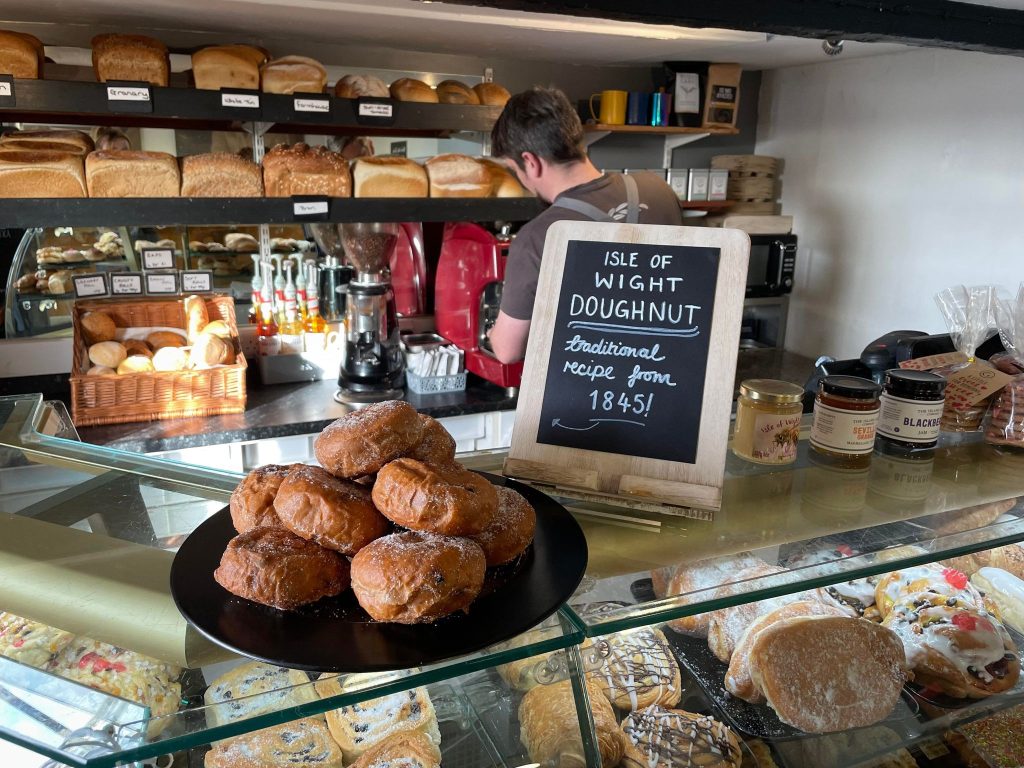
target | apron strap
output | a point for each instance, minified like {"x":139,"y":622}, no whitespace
{"x":632,"y":200}
{"x":594,"y":213}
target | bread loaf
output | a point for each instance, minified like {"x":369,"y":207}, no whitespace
{"x":455,"y":92}
{"x":107,"y":353}
{"x":21,"y":55}
{"x":220,"y":174}
{"x":227,"y":66}
{"x":408,"y":89}
{"x":303,"y":170}
{"x":196,"y":317}
{"x":503,"y":183}
{"x":69,"y":141}
{"x":130,"y":57}
{"x":97,"y":327}
{"x":356,"y":86}
{"x":389,"y":177}
{"x":293,"y":74}
{"x":131,"y":173}
{"x":31,"y":173}
{"x":492,"y":94}
{"x":457,"y":176}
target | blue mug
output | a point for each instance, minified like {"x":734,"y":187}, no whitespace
{"x":637,"y":109}
{"x":660,"y":104}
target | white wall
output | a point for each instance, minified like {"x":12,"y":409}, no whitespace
{"x":905,"y":173}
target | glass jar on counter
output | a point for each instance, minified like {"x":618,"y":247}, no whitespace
{"x":845,"y":418}
{"x":911,"y":409}
{"x":767,"y":425}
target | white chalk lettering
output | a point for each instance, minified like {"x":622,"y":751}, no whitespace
{"x":654,"y":377}
{"x":589,"y":371}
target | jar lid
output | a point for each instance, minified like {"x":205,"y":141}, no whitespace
{"x":771,"y":391}
{"x":852,"y":387}
{"x":914,"y":384}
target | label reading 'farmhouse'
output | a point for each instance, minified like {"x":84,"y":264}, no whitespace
{"x":630,"y":349}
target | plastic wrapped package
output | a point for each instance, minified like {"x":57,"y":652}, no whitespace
{"x":970,"y":316}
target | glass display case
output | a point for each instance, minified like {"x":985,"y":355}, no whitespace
{"x":89,"y":535}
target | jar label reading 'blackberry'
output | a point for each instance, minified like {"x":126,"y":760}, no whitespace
{"x":775,"y":438}
{"x":846,"y":432}
{"x":910,"y":421}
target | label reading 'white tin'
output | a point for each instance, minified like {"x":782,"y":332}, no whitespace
{"x":846,"y":432}
{"x":911,"y":421}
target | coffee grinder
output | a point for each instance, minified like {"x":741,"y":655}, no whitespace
{"x":373,"y":367}
{"x":334,"y":274}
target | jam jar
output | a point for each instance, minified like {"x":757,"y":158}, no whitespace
{"x":911,"y":409}
{"x":767,"y":426}
{"x":845,"y":416}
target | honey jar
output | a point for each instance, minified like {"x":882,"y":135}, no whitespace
{"x":845,"y":418}
{"x":767,"y":426}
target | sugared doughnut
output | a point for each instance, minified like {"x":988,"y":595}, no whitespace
{"x":412,"y":577}
{"x":252,"y":502}
{"x":275,"y":567}
{"x":361,"y":442}
{"x":336,"y":514}
{"x":511,"y":530}
{"x":436,"y":446}
{"x":444,"y":499}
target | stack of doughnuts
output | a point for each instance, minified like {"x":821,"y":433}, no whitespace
{"x":389,"y":512}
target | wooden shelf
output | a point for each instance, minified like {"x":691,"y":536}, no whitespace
{"x":705,"y":205}
{"x":667,"y":130}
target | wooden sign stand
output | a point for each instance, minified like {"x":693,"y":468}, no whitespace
{"x":628,"y":382}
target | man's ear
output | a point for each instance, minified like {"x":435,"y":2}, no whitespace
{"x":531,"y":164}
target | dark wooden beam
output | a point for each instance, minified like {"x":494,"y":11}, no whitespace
{"x":935,"y":23}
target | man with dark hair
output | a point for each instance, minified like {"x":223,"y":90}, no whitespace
{"x":539,"y":137}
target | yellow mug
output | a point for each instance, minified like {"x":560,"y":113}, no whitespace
{"x":613,"y":107}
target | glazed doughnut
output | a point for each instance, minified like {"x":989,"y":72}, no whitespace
{"x":413,"y":577}
{"x":511,"y":530}
{"x":336,"y":514}
{"x":275,"y":567}
{"x":436,"y":446}
{"x":361,"y":442}
{"x":252,"y":502}
{"x":444,"y":499}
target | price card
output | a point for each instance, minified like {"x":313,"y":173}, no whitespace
{"x":197,"y":281}
{"x":246,"y":101}
{"x":89,"y":286}
{"x":7,"y":91}
{"x":317,"y":104}
{"x":970,"y":385}
{"x":310,"y":207}
{"x":125,"y":96}
{"x":161,"y":283}
{"x":934,"y":361}
{"x":157,"y":258}
{"x":126,"y":284}
{"x":374,"y":111}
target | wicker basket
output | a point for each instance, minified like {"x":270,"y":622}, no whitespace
{"x":120,"y":399}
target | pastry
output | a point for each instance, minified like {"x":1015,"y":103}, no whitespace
{"x":131,"y":173}
{"x":993,"y":741}
{"x":738,"y":679}
{"x":336,"y":514}
{"x":406,"y":749}
{"x":660,"y":578}
{"x":389,"y":177}
{"x":97,"y":326}
{"x":29,"y":641}
{"x":657,"y":737}
{"x":300,"y":744}
{"x":639,"y":670}
{"x":456,"y":92}
{"x":1009,"y":558}
{"x":967,"y":519}
{"x":510,"y":531}
{"x":227,"y":66}
{"x":408,"y":89}
{"x":362,"y":442}
{"x":492,"y":94}
{"x":255,"y":688}
{"x":359,"y":727}
{"x":712,"y":573}
{"x":954,"y":646}
{"x":550,"y":729}
{"x":293,"y":74}
{"x":357,"y":86}
{"x":303,"y":170}
{"x":828,"y":673}
{"x":444,"y":499}
{"x":542,"y":669}
{"x":277,"y":568}
{"x":413,"y":577}
{"x":454,"y":175}
{"x":897,"y":586}
{"x":1005,"y":590}
{"x":130,"y":57}
{"x":220,"y":174}
{"x":436,"y":446}
{"x":252,"y":501}
{"x":108,"y":353}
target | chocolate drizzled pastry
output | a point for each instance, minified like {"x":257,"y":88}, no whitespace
{"x":639,"y":671}
{"x":673,"y":738}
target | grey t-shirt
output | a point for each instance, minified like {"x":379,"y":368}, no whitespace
{"x":658,"y":205}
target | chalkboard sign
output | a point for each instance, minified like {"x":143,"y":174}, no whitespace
{"x":629,"y":374}
{"x":630,"y":348}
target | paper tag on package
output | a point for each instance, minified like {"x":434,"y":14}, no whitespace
{"x":970,"y":385}
{"x":934,"y":361}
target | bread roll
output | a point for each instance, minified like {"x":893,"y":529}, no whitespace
{"x":59,"y":283}
{"x":99,"y":370}
{"x":457,"y":176}
{"x":31,"y":173}
{"x":220,"y":174}
{"x":160,"y":339}
{"x":408,"y":89}
{"x":97,"y":326}
{"x":209,"y":350}
{"x":293,"y":74}
{"x":130,"y":57}
{"x":503,"y":183}
{"x":131,"y":173}
{"x":20,"y":55}
{"x":240,"y":242}
{"x":303,"y":170}
{"x":107,"y":353}
{"x":76,"y":142}
{"x":455,"y":92}
{"x":170,"y":359}
{"x":227,"y":66}
{"x":135,"y":364}
{"x":196,"y":317}
{"x":389,"y":177}
{"x":355,"y":86}
{"x":492,"y":94}
{"x":137,"y":347}
{"x":217,"y":328}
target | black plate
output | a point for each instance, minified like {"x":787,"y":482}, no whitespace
{"x":336,"y":635}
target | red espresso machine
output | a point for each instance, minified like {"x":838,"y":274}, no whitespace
{"x":467,"y":294}
{"x":409,"y":271}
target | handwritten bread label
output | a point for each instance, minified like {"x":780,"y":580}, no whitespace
{"x":971,"y":385}
{"x":239,"y":100}
{"x":312,"y":105}
{"x":157,"y":258}
{"x":6,"y":89}
{"x":161,"y":283}
{"x":310,"y":208}
{"x":375,"y":109}
{"x":200,"y":281}
{"x":934,"y":361}
{"x":129,"y":284}
{"x":87,"y":286}
{"x":128,"y":93}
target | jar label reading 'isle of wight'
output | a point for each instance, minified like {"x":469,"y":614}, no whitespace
{"x":846,"y":432}
{"x":911,"y":421}
{"x":775,"y":438}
